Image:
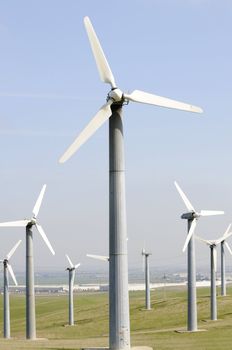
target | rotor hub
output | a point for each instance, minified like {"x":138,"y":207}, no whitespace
{"x":115,"y":94}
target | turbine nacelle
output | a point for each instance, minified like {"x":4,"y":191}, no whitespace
{"x":115,"y":95}
{"x":32,"y":222}
{"x":190,"y":215}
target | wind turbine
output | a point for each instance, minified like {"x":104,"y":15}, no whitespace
{"x":71,"y":272}
{"x":147,"y":279}
{"x":213,"y":269}
{"x":192,"y":216}
{"x":118,"y":270}
{"x":6,"y":307}
{"x":30,"y":290}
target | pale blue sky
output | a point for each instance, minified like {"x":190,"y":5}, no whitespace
{"x":49,"y":90}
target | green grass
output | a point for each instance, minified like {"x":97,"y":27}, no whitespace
{"x":155,"y":328}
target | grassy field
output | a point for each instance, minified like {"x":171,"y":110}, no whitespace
{"x":155,"y":328}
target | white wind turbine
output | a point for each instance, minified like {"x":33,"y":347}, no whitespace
{"x":30,"y":290}
{"x":213,"y":268}
{"x":71,"y":271}
{"x":6,"y":307}
{"x":145,"y":256}
{"x":192,"y":216}
{"x":118,"y":294}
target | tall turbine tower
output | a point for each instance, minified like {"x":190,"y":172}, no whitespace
{"x":119,"y":326}
{"x":71,"y":272}
{"x":213,"y":269}
{"x":30,"y":290}
{"x":147,"y":279}
{"x":192,"y":216}
{"x":6,"y":306}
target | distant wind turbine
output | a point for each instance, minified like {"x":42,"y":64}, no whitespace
{"x":30,"y":290}
{"x":147,"y":278}
{"x":119,"y":320}
{"x":71,"y":272}
{"x":6,"y":307}
{"x":213,"y":268}
{"x":192,"y":216}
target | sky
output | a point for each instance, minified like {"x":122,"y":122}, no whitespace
{"x":50,"y":89}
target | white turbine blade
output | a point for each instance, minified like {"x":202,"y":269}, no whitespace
{"x":11,"y":252}
{"x":77,"y":265}
{"x":100,"y":118}
{"x":36,"y":208}
{"x":19,"y":223}
{"x":69,"y":260}
{"x":144,"y":97}
{"x":98,"y":257}
{"x":215,"y":258}
{"x":203,"y":240}
{"x":190,"y":233}
{"x":227,"y":233}
{"x":43,"y":235}
{"x":103,"y":67}
{"x":228,"y":247}
{"x":12,"y":274}
{"x":211,"y":212}
{"x":185,"y":199}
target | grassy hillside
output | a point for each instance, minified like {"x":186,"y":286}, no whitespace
{"x":155,"y":328}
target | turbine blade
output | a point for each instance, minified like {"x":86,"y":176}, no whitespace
{"x":211,"y":212}
{"x":190,"y":233}
{"x":77,"y":265}
{"x":144,"y":97}
{"x":185,"y":199}
{"x":203,"y":240}
{"x":69,"y":260}
{"x":43,"y":235}
{"x":100,"y":118}
{"x":227,"y":233}
{"x":103,"y":67}
{"x":12,"y":274}
{"x":98,"y":257}
{"x":36,"y":208}
{"x":228,"y":247}
{"x":11,"y":252}
{"x":19,"y":223}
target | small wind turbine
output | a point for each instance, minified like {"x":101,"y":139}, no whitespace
{"x":6,"y":307}
{"x":213,"y":269}
{"x":30,"y":290}
{"x":118,"y":287}
{"x":145,"y":255}
{"x":192,"y":216}
{"x":71,"y":272}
